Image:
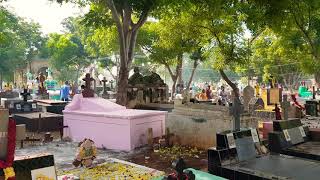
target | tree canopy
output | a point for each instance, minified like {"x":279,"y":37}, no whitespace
{"x":20,"y":42}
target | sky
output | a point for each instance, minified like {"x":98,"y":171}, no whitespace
{"x":48,"y":14}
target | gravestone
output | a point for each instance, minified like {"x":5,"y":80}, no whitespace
{"x":248,"y":94}
{"x":285,"y":107}
{"x":111,"y":84}
{"x":25,"y":95}
{"x":88,"y":92}
{"x":4,"y":121}
{"x":104,"y":93}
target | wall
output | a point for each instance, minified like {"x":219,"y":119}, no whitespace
{"x":36,"y":65}
{"x":197,"y":124}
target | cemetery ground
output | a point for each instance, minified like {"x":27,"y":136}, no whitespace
{"x":64,"y":154}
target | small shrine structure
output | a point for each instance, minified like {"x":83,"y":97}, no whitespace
{"x":146,"y":89}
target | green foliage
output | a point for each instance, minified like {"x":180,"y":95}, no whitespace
{"x":278,"y":56}
{"x":20,"y":42}
{"x":301,"y":20}
{"x":66,"y":51}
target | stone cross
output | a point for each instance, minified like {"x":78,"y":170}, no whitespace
{"x":285,"y":104}
{"x":25,"y":95}
{"x":49,"y":71}
{"x":111,"y":83}
{"x":104,"y":81}
{"x":88,"y":92}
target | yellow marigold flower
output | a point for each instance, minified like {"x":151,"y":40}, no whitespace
{"x":8,"y":173}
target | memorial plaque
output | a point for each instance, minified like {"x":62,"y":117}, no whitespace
{"x":286,"y":135}
{"x":295,"y":136}
{"x":231,"y":141}
{"x":255,"y":136}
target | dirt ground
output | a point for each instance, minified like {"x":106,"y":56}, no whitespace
{"x":64,"y":153}
{"x":162,"y":161}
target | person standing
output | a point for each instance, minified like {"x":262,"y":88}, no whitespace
{"x":209,"y":92}
{"x":65,"y":91}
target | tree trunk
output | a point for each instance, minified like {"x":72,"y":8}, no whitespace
{"x":127,"y":36}
{"x":1,"y":80}
{"x":230,"y":83}
{"x":122,"y":86}
{"x":317,"y":77}
{"x":173,"y":88}
{"x":195,"y":65}
{"x":179,"y":69}
{"x":175,"y":77}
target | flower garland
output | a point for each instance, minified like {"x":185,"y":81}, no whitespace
{"x":7,"y":164}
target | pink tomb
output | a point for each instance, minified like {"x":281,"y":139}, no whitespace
{"x":109,"y":124}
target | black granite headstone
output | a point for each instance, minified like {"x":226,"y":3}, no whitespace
{"x":311,"y":108}
{"x":266,"y":167}
{"x":280,"y":125}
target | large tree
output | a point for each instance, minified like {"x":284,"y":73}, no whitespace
{"x":170,"y":39}
{"x":300,"y":17}
{"x":225,"y":23}
{"x":20,"y":42}
{"x":128,"y":16}
{"x":280,"y":57}
{"x":67,"y":54}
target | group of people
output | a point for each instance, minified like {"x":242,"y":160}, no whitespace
{"x":208,"y":94}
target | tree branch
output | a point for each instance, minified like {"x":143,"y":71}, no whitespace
{"x":169,"y":69}
{"x":305,"y":33}
{"x":132,"y":44}
{"x":143,"y":18}
{"x":110,"y":71}
{"x":114,"y":13}
{"x":256,"y":36}
{"x":230,"y":83}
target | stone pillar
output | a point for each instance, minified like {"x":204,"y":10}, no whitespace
{"x":140,"y":97}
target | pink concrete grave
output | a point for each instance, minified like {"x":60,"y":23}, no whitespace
{"x":111,"y":125}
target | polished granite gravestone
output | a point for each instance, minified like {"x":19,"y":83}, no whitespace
{"x":25,"y":165}
{"x":237,"y":161}
{"x":290,"y":137}
{"x":18,"y":105}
